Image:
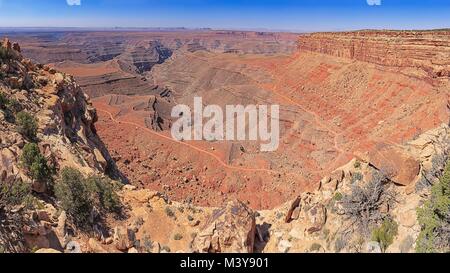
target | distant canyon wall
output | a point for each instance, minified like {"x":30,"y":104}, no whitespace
{"x":425,"y":50}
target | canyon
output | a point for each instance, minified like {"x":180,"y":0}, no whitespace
{"x":341,"y":95}
{"x":364,"y":102}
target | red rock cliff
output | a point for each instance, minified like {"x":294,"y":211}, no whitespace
{"x":426,"y":50}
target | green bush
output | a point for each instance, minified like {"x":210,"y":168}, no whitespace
{"x":434,"y":217}
{"x":79,"y":195}
{"x":73,"y":195}
{"x":27,"y":125}
{"x":39,"y":170}
{"x":15,"y":193}
{"x":338,"y":196}
{"x":30,"y":153}
{"x":102,"y":189}
{"x":386,"y":233}
{"x":35,"y":163}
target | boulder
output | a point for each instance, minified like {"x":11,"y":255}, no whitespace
{"x":401,"y":167}
{"x":229,"y":229}
{"x":295,"y":207}
{"x":61,"y":229}
{"x":124,"y":238}
{"x":59,"y":80}
{"x":8,"y":162}
{"x":100,"y":159}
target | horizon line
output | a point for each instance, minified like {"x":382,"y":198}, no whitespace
{"x":181,"y":28}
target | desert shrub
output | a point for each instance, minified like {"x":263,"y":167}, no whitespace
{"x":4,"y":101}
{"x":338,"y":196}
{"x":356,"y":177}
{"x":434,"y":217}
{"x":5,"y":54}
{"x":26,"y":125}
{"x":39,"y":170}
{"x":386,"y":233}
{"x":177,"y":237}
{"x":15,"y":193}
{"x":169,"y":212}
{"x":357,"y":164}
{"x":363,"y":204}
{"x":147,"y":245}
{"x":35,"y":163}
{"x":438,"y":163}
{"x":102,"y":189}
{"x":29,"y":154}
{"x":79,"y":195}
{"x":73,"y":195}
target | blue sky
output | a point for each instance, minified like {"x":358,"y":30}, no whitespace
{"x":294,"y":15}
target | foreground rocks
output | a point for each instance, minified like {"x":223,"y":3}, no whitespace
{"x":229,"y":229}
{"x":124,"y":238}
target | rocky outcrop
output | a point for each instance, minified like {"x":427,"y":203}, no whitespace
{"x":64,"y":113}
{"x":65,"y":135}
{"x":230,"y":229}
{"x":425,"y":50}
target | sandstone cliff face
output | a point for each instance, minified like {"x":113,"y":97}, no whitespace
{"x":426,"y":50}
{"x":64,"y":114}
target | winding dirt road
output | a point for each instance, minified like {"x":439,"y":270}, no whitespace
{"x":216,"y":157}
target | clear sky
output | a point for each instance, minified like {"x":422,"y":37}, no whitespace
{"x":294,"y":15}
